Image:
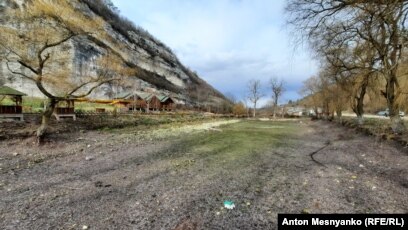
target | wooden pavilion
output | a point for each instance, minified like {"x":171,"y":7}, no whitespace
{"x":11,"y":111}
{"x":147,"y":101}
{"x":138,"y":101}
{"x":65,"y":108}
{"x":134,"y":101}
{"x":166,"y":102}
{"x":153,"y":102}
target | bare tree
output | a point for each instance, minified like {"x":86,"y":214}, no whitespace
{"x":254,"y":93}
{"x":35,"y":49}
{"x":277,"y":87}
{"x":378,"y":25}
{"x":352,"y":68}
{"x":239,"y":109}
{"x":245,"y":101}
{"x":355,"y":87}
{"x":310,"y":90}
{"x":339,"y":99}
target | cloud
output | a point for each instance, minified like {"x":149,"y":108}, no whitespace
{"x":228,"y":42}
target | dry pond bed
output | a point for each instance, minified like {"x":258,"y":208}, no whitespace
{"x":179,"y":177}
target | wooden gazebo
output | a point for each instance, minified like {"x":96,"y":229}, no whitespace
{"x":11,"y":111}
{"x":153,"y":102}
{"x":166,"y":102}
{"x":65,"y":108}
{"x":147,"y":101}
{"x":138,"y":101}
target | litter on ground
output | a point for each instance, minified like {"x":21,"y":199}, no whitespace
{"x":229,"y":204}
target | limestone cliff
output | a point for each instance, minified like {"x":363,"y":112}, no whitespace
{"x":158,"y":68}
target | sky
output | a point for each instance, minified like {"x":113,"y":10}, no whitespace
{"x":227,"y":42}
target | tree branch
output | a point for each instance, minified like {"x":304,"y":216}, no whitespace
{"x":18,"y":73}
{"x":28,"y":67}
{"x":93,"y":88}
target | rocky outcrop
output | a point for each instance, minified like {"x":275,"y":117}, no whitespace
{"x":158,"y":68}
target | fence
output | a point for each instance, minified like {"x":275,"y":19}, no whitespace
{"x":64,"y":110}
{"x":10,"y":109}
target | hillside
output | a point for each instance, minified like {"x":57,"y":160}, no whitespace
{"x":156,"y":67}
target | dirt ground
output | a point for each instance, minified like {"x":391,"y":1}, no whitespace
{"x":179,"y":177}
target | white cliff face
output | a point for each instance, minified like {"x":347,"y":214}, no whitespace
{"x":159,"y":69}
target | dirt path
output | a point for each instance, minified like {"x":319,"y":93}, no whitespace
{"x":135,"y":179}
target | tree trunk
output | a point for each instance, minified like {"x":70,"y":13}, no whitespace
{"x":360,"y":119}
{"x":392,"y":86}
{"x":275,"y":104}
{"x":46,"y":116}
{"x":326,"y":112}
{"x":283,"y":112}
{"x":358,"y":107}
{"x":359,"y":110}
{"x":254,"y":114}
{"x":339,"y":113}
{"x":274,"y":111}
{"x":316,"y":112}
{"x":397,"y":124}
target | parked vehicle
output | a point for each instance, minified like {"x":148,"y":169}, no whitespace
{"x":386,"y":113}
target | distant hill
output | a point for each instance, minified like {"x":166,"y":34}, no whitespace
{"x":158,"y":68}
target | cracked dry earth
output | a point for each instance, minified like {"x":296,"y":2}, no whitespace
{"x":128,"y":179}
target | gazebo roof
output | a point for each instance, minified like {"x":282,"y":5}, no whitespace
{"x":144,"y":95}
{"x":5,"y":90}
{"x":163,"y":98}
{"x":122,"y":95}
